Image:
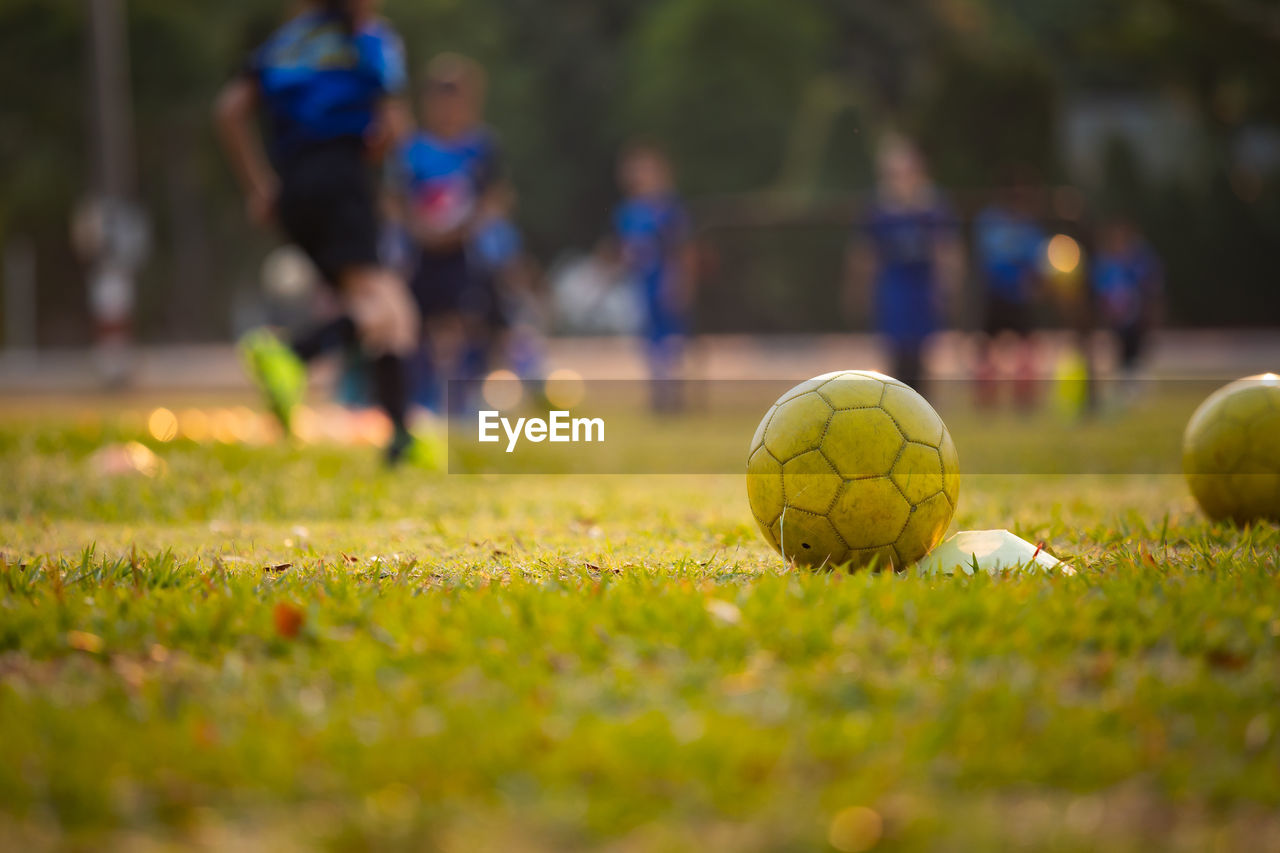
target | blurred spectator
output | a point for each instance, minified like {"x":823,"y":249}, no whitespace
{"x":1128,"y":287}
{"x":1008,"y":246}
{"x":653,"y":233}
{"x":906,"y":257}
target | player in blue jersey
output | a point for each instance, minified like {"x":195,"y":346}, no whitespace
{"x":653,"y":233}
{"x":1128,"y":288}
{"x":906,"y":257}
{"x":1008,"y":246}
{"x":441,"y":174}
{"x":324,"y":84}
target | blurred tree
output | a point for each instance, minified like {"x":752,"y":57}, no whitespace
{"x":43,"y":162}
{"x":41,"y":75}
{"x":987,"y":114}
{"x":719,"y":83}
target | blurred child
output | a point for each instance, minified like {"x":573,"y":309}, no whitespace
{"x":653,"y":232}
{"x":513,"y":324}
{"x":1008,"y":245}
{"x":324,"y":83}
{"x":907,"y":257}
{"x":1128,"y":288}
{"x":443,"y":173}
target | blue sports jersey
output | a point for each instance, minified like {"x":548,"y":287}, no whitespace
{"x":444,"y":178}
{"x":652,"y":232}
{"x":495,"y":245}
{"x":1008,"y":249}
{"x":320,"y":83}
{"x":1124,"y":283}
{"x":904,"y":241}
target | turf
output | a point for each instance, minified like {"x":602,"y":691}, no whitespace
{"x":287,"y":647}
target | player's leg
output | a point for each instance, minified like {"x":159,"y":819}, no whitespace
{"x":1132,"y":341}
{"x":665,"y":355}
{"x":317,"y":193}
{"x":335,"y":334}
{"x":440,"y":293}
{"x":386,"y":324}
{"x":272,"y":363}
{"x":482,"y":324}
{"x":908,"y":364}
{"x":1026,"y":372}
{"x":664,"y":352}
{"x":279,"y":366}
{"x":1131,"y":346}
{"x":277,"y":371}
{"x":986,"y":373}
{"x":1026,"y":362}
{"x":423,"y":364}
{"x":374,"y":298}
{"x":380,"y":316}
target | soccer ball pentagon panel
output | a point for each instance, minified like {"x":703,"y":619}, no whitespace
{"x":1231,"y":451}
{"x":852,"y":468}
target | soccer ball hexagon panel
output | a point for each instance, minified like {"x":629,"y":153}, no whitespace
{"x":852,"y":468}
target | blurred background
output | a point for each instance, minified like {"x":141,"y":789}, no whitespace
{"x":1166,"y":110}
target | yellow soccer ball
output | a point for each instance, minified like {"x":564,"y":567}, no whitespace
{"x":1231,"y":451}
{"x":852,"y":468}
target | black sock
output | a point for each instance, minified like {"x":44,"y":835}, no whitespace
{"x":330,"y":336}
{"x":392,"y":390}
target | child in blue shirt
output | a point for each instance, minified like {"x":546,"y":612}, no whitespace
{"x":1009,"y":245}
{"x":1128,"y":288}
{"x":653,"y":233}
{"x":441,"y":175}
{"x":907,"y":257}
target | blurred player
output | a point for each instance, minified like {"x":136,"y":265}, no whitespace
{"x":500,"y":267}
{"x":442,"y":173}
{"x":907,"y":257}
{"x":324,"y":83}
{"x":1128,"y":288}
{"x":653,"y":232}
{"x":1008,"y":247}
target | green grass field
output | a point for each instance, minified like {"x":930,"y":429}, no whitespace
{"x":286,"y":647}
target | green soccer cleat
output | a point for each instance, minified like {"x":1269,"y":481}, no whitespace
{"x":276,"y":370}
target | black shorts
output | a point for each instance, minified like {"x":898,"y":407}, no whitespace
{"x":439,"y":282}
{"x":1006,"y":315}
{"x":327,"y":207}
{"x":906,"y":363}
{"x":444,"y":283}
{"x":483,"y":301}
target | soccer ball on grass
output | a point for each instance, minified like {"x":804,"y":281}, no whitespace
{"x":852,"y":468}
{"x":1231,"y":451}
